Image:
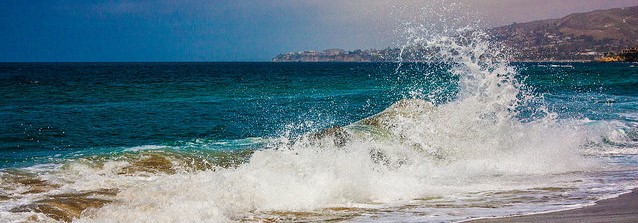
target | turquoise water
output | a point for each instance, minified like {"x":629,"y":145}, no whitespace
{"x":56,"y":116}
{"x":60,"y":109}
{"x":53,"y":110}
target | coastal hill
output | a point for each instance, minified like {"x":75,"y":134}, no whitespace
{"x":578,"y":36}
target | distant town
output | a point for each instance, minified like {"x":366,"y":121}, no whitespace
{"x":603,"y":35}
{"x":339,"y":55}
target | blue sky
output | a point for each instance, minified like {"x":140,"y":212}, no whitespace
{"x":195,"y":30}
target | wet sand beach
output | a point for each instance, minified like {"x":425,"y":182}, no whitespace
{"x":621,"y":209}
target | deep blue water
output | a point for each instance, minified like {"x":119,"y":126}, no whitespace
{"x":49,"y":111}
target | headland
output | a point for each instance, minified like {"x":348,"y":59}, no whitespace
{"x":589,"y":36}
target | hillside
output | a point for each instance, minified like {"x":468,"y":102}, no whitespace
{"x":579,"y":36}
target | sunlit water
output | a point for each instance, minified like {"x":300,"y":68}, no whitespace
{"x":461,"y":134}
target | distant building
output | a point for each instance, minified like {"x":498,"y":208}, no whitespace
{"x":334,"y":52}
{"x":630,"y":54}
{"x":625,"y":55}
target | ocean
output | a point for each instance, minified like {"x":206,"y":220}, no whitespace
{"x":450,"y":138}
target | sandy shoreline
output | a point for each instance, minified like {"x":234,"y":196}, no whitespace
{"x":621,"y":209}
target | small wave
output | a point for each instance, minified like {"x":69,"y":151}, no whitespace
{"x":146,"y":147}
{"x":561,"y":66}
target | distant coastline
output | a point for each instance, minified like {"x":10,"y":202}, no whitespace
{"x":340,"y":55}
{"x":392,"y":56}
{"x":578,"y":37}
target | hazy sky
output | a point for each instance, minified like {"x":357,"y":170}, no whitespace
{"x":236,"y":30}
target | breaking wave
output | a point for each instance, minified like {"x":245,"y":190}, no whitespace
{"x":415,"y":152}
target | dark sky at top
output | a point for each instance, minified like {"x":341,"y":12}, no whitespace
{"x":235,"y":30}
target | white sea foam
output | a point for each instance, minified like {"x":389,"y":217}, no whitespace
{"x":145,"y":147}
{"x":474,"y":143}
{"x":459,"y":152}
